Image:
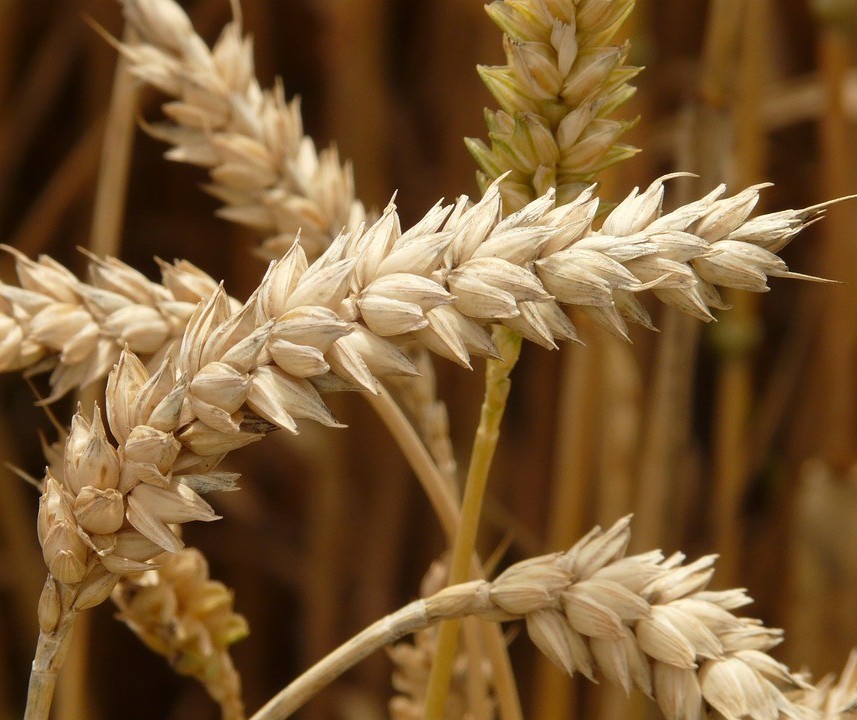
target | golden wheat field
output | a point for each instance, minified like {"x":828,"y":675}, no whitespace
{"x":735,"y":437}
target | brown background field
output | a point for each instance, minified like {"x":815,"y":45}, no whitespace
{"x":738,"y":438}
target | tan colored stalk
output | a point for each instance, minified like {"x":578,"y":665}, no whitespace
{"x":665,"y":425}
{"x":73,"y":692}
{"x":116,"y":151}
{"x":434,"y":484}
{"x":449,"y":513}
{"x":739,"y":331}
{"x":68,"y":183}
{"x":838,"y":341}
{"x":263,"y":167}
{"x":497,"y":386}
{"x":57,"y":621}
{"x":620,"y":402}
{"x":385,"y":631}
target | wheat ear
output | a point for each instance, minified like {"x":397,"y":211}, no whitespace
{"x":183,"y":615}
{"x":264,"y":169}
{"x":643,"y":621}
{"x":239,"y":374}
{"x":562,"y":80}
{"x":333,"y":324}
{"x":458,"y":269}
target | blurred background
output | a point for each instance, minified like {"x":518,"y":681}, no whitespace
{"x":739,"y":437}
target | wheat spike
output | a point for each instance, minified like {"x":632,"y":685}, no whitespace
{"x":458,"y":269}
{"x":180,"y":613}
{"x":645,"y":622}
{"x":264,"y":169}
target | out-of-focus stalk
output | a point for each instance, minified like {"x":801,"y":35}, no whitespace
{"x":737,"y":335}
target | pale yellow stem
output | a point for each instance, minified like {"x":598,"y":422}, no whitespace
{"x":386,"y":630}
{"x":50,"y":654}
{"x":448,"y":511}
{"x":413,"y":617}
{"x":434,"y":483}
{"x":116,"y":150}
{"x":497,"y":386}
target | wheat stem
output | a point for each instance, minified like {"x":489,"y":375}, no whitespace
{"x":449,"y":513}
{"x":408,"y":619}
{"x":50,"y":653}
{"x":432,"y":480}
{"x":116,"y":154}
{"x":497,"y":386}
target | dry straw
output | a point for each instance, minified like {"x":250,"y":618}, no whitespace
{"x":195,"y":374}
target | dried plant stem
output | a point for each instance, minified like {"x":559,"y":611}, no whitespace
{"x":478,"y":699}
{"x":739,"y":333}
{"x":432,"y":480}
{"x":69,"y":181}
{"x":50,"y":654}
{"x":497,"y":386}
{"x":665,"y":425}
{"x":387,"y":630}
{"x":116,"y":151}
{"x":505,"y":687}
{"x":72,"y":693}
{"x":448,"y":512}
{"x":838,"y":341}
